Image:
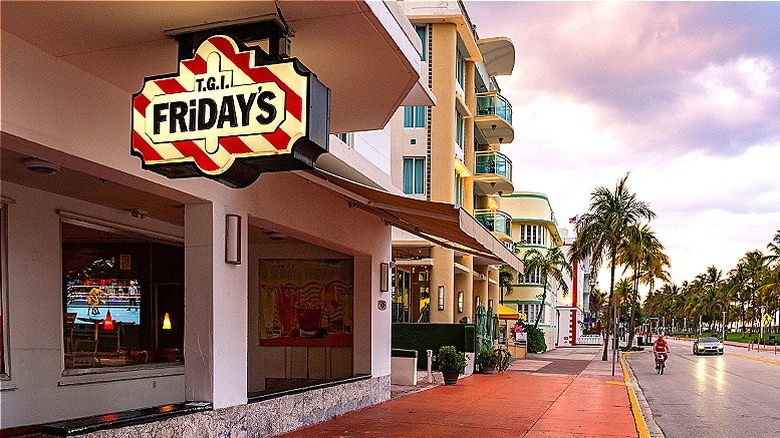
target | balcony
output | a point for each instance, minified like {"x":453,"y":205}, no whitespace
{"x":496,"y":221}
{"x":494,"y":118}
{"x":493,"y":173}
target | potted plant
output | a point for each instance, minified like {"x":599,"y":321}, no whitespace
{"x":487,"y":359}
{"x":451,"y":363}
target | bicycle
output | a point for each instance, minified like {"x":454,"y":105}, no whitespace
{"x":660,"y":363}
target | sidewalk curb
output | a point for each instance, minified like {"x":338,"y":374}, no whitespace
{"x":639,"y":407}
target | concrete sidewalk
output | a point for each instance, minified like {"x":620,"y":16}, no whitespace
{"x":567,"y":392}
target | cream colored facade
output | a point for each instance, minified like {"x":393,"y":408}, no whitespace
{"x":451,"y":153}
{"x":533,"y":226}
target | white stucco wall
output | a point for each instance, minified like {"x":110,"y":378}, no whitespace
{"x":39,"y":391}
{"x":81,"y":121}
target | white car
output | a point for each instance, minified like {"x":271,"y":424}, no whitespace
{"x":707,"y":345}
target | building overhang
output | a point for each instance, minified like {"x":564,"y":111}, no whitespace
{"x":498,"y":54}
{"x":446,"y":12}
{"x":354,"y":47}
{"x":440,"y":223}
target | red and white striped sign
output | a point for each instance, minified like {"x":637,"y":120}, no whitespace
{"x":220,"y":107}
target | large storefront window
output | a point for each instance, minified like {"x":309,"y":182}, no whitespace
{"x":123,"y":298}
{"x":306,"y":322}
{"x":3,"y":288}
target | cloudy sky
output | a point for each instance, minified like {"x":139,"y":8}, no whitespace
{"x":684,"y":96}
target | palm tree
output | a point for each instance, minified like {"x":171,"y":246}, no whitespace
{"x":774,"y":249}
{"x":708,"y":303}
{"x":505,"y":282}
{"x":551,"y":265}
{"x":597,"y":301}
{"x":640,"y":248}
{"x":602,"y":230}
{"x":746,"y":278}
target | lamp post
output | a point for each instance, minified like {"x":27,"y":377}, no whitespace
{"x":724,"y":326}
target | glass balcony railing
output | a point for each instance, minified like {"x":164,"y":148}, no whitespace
{"x":494,"y":104}
{"x":496,"y":221}
{"x":494,"y":163}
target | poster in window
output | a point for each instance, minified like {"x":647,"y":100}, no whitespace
{"x":305,"y":302}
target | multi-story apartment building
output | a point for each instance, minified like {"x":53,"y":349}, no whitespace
{"x":573,"y":307}
{"x":451,"y":153}
{"x":533,"y":226}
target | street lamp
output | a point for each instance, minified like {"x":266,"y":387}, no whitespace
{"x":724,"y":326}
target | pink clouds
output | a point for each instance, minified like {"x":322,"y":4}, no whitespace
{"x":684,"y":95}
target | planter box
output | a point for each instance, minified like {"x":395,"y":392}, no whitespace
{"x":403,"y":371}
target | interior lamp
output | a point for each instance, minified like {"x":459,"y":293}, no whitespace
{"x":166,"y":322}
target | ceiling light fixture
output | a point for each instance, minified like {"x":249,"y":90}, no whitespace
{"x":40,"y":166}
{"x":274,"y":235}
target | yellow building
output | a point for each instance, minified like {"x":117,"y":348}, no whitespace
{"x":533,"y":226}
{"x":451,"y":153}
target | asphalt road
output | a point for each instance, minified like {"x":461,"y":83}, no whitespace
{"x":734,"y":395}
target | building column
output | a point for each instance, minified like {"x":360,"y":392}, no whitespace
{"x":442,"y":276}
{"x":481,"y":286}
{"x":493,"y":291}
{"x":465,"y":282}
{"x":442,"y":59}
{"x":215,"y":330}
{"x":469,"y":154}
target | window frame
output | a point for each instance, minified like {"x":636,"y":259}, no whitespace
{"x":533,"y":234}
{"x":534,"y":278}
{"x":5,"y":362}
{"x":460,"y":130}
{"x":415,"y":116}
{"x":460,"y":68}
{"x":417,"y":185}
{"x":422,"y":33}
{"x":459,"y":190}
{"x":79,"y":220}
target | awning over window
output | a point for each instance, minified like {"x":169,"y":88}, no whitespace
{"x":507,"y":313}
{"x":438,"y":222}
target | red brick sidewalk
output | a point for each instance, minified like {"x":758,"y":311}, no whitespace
{"x":515,"y":403}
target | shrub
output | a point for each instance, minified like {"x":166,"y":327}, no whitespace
{"x":536,"y":343}
{"x":487,"y":357}
{"x":450,"y":358}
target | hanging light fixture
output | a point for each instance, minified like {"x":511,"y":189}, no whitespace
{"x":166,"y":322}
{"x":108,"y":323}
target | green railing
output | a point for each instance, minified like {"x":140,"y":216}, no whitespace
{"x":496,"y":221}
{"x":494,"y":163}
{"x":494,"y":104}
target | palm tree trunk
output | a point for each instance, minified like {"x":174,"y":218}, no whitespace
{"x":544,"y":298}
{"x":631,"y":320}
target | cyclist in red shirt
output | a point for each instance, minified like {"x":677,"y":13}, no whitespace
{"x":660,"y":347}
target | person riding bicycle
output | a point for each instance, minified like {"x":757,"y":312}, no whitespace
{"x":660,"y":349}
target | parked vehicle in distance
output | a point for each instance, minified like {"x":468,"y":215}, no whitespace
{"x":707,"y":345}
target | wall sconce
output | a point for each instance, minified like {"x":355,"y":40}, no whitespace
{"x":384,"y":277}
{"x":233,"y":239}
{"x":490,"y":304}
{"x":477,"y":302}
{"x":441,"y":297}
{"x":460,"y":301}
{"x":166,"y":322}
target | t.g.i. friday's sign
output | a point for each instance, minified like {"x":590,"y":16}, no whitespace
{"x":221,"y":107}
